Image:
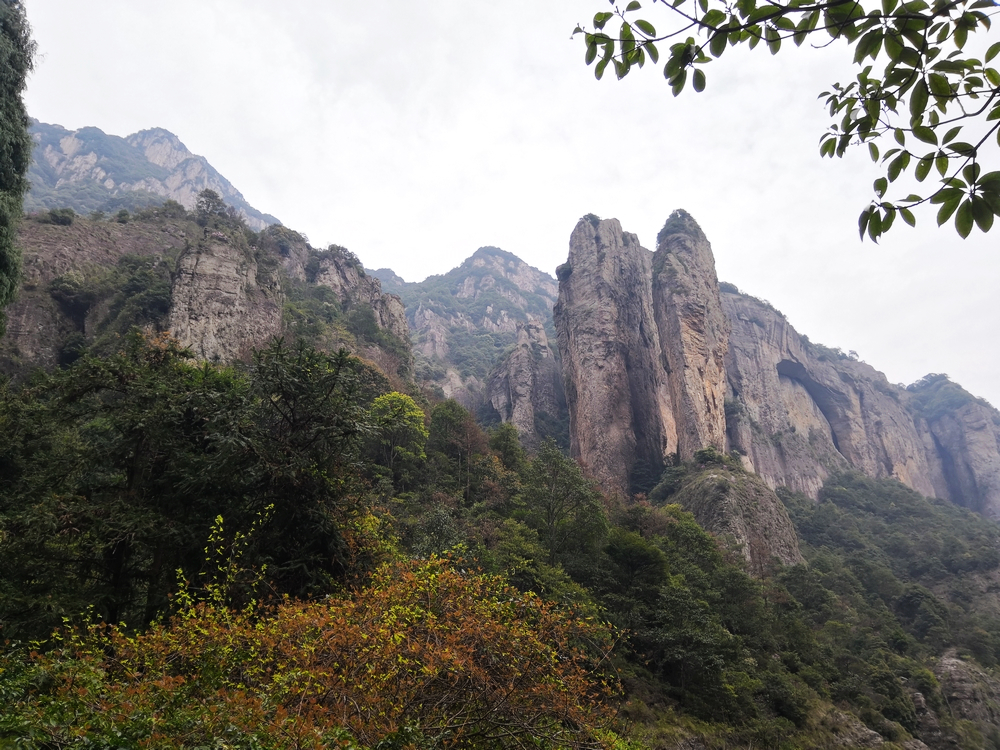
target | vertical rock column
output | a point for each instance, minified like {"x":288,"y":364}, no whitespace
{"x":693,"y":333}
{"x":619,"y":405}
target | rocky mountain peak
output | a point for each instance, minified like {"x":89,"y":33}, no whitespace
{"x":661,"y":361}
{"x":89,"y":170}
{"x":161,"y":147}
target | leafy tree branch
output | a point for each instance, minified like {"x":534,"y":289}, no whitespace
{"x":917,"y":85}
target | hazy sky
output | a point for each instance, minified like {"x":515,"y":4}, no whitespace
{"x":414,"y":133}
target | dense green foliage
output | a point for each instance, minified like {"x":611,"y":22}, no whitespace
{"x":113,"y":471}
{"x":16,"y":53}
{"x":935,"y":396}
{"x":115,"y":468}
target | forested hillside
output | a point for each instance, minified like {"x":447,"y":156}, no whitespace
{"x":299,"y":545}
{"x":308,"y":478}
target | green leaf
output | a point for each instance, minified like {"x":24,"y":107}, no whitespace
{"x":893,"y":47}
{"x":970,"y":172}
{"x":773,"y":39}
{"x":897,"y":165}
{"x":677,"y":82}
{"x":923,"y":167}
{"x":993,"y":201}
{"x":698,"y":80}
{"x":713,"y":18}
{"x":908,"y":216}
{"x":863,"y":222}
{"x":941,"y":162}
{"x":947,"y":195}
{"x":939,"y":85}
{"x":964,"y":219}
{"x":959,"y":37}
{"x":961,"y":147}
{"x":993,"y":76}
{"x":946,"y":210}
{"x":888,"y":218}
{"x":760,"y":14}
{"x":925,"y":134}
{"x":874,"y":225}
{"x":900,"y":136}
{"x":654,"y":54}
{"x":591,"y":52}
{"x":918,"y":98}
{"x":880,"y":186}
{"x":717,"y":44}
{"x":988,"y":180}
{"x":601,"y":19}
{"x":634,"y":5}
{"x":950,"y":135}
{"x":982,"y":213}
{"x":873,"y":151}
{"x":645,"y":27}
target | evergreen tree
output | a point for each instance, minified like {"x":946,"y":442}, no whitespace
{"x":16,"y":53}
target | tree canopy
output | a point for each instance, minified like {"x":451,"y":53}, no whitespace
{"x":16,"y":54}
{"x":923,"y":98}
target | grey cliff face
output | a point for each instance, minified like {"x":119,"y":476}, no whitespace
{"x":658,"y":362}
{"x":797,"y":413}
{"x":208,"y":287}
{"x":620,"y":408}
{"x":643,"y":339}
{"x":354,"y":287}
{"x":527,"y":387}
{"x":967,"y":443}
{"x":221,"y":307}
{"x":694,"y":333}
{"x":475,"y":309}
{"x":36,"y":324}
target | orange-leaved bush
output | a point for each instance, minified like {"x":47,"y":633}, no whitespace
{"x":426,"y":653}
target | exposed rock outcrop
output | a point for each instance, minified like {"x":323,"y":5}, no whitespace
{"x":526,"y":388}
{"x":353,"y":287}
{"x":37,"y":325}
{"x":76,"y":168}
{"x":89,"y":282}
{"x":798,"y":411}
{"x":465,"y":321}
{"x":741,"y":508}
{"x":693,"y":331}
{"x":970,"y":693}
{"x":619,"y":402}
{"x":966,"y":439}
{"x":643,"y":339}
{"x":659,"y":362}
{"x":221,"y":306}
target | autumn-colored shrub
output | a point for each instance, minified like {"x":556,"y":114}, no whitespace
{"x":427,"y":653}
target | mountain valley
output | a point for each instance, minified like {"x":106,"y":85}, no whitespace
{"x":786,"y":549}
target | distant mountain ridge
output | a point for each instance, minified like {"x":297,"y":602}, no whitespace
{"x":88,"y":170}
{"x":480,"y":333}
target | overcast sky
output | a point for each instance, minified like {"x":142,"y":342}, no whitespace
{"x":414,"y":133}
